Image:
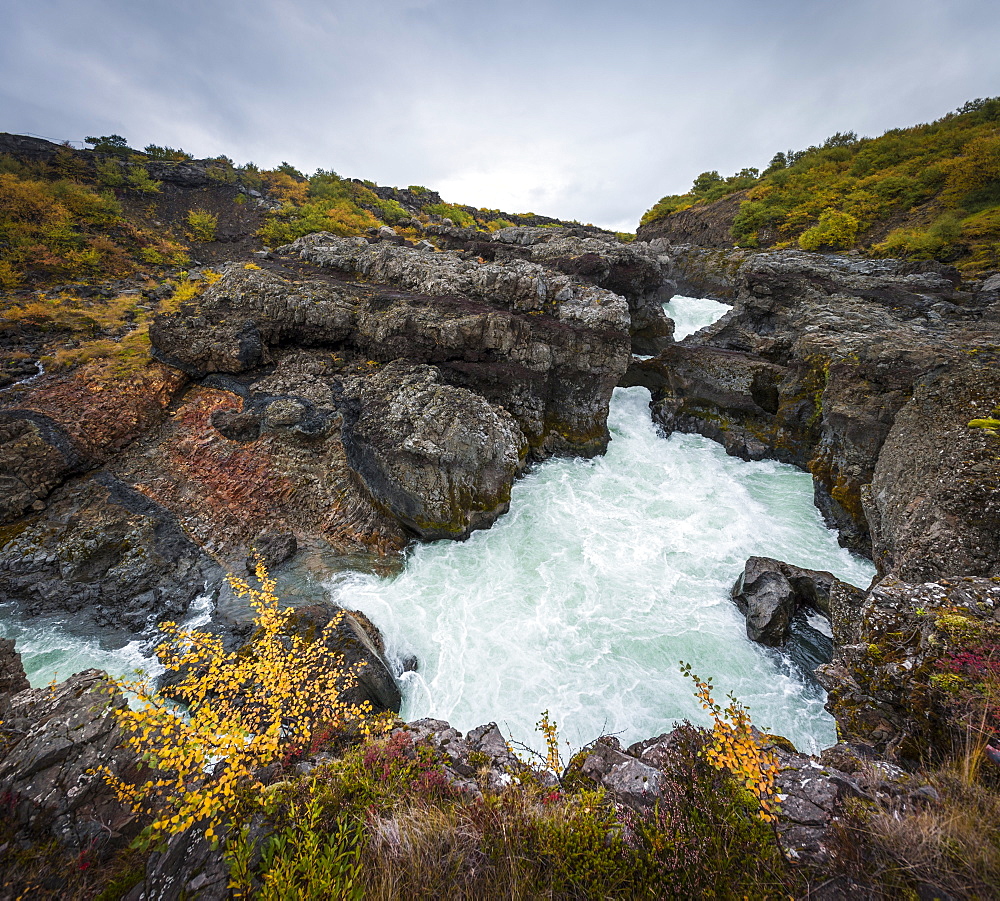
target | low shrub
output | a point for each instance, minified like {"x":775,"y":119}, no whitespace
{"x":203,"y":225}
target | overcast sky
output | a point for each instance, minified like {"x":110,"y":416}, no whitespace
{"x":570,"y":108}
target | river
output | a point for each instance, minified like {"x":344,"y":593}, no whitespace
{"x":585,"y":597}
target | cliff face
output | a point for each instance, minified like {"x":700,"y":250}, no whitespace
{"x":705,"y":225}
{"x":835,"y":365}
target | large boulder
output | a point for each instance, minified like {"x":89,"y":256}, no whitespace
{"x":441,"y":459}
{"x":771,"y":592}
{"x":56,"y":741}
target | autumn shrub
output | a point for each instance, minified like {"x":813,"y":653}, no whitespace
{"x":460,"y":217}
{"x":834,"y":231}
{"x":203,"y":225}
{"x":238,"y":713}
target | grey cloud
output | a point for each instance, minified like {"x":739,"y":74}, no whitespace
{"x":578,"y":109}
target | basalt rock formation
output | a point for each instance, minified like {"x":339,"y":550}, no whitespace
{"x":896,"y":682}
{"x":350,"y":394}
{"x":866,"y":373}
{"x":51,"y":743}
{"x":639,"y":272}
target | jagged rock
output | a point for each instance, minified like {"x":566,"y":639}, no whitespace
{"x":810,"y":797}
{"x":67,"y":424}
{"x":631,"y":781}
{"x":273,"y":548}
{"x":482,"y":754}
{"x":12,"y":675}
{"x":812,"y":366}
{"x":699,"y":271}
{"x":34,"y":459}
{"x":452,"y":471}
{"x":56,"y":739}
{"x":547,"y":349}
{"x":885,"y":687}
{"x":107,"y":553}
{"x":190,"y":867}
{"x":770,"y":592}
{"x":637,"y":272}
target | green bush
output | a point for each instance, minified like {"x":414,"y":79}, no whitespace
{"x":203,"y":225}
{"x":834,"y":231}
{"x":460,"y":217}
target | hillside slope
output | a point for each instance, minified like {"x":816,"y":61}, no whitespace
{"x":94,"y":242}
{"x":929,"y":191}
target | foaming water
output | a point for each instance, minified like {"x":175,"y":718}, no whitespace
{"x":584,"y":598}
{"x":605,"y":575}
{"x":691,"y":314}
{"x":52,"y":651}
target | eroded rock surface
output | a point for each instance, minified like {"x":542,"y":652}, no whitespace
{"x":892,"y":676}
{"x":814,"y":365}
{"x":54,"y":739}
{"x":107,"y":553}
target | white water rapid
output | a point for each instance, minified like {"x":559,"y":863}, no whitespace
{"x":585,"y":597}
{"x":604,"y":575}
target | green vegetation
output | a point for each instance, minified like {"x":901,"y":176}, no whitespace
{"x":203,"y":225}
{"x":930,"y":191}
{"x":379,"y":817}
{"x":59,"y":228}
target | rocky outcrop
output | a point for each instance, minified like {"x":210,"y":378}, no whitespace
{"x":12,"y":677}
{"x":811,"y":794}
{"x":706,"y":224}
{"x":770,"y":593}
{"x":639,"y":272}
{"x":68,"y":424}
{"x":814,"y":365}
{"x":699,"y":271}
{"x":107,"y":554}
{"x":905,"y":656}
{"x":548,"y":350}
{"x":454,"y":468}
{"x":480,"y":759}
{"x":54,"y":742}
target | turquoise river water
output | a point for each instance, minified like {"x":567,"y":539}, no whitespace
{"x":585,"y":597}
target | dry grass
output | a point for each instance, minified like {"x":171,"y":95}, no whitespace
{"x":950,"y":844}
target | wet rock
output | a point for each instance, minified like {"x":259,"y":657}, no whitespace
{"x":770,"y":592}
{"x":273,"y":549}
{"x":441,"y":459}
{"x":56,"y":740}
{"x":357,"y":639}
